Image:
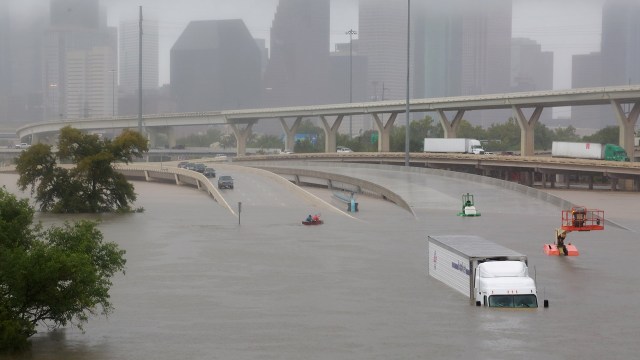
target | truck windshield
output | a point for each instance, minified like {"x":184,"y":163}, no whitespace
{"x":513,"y":301}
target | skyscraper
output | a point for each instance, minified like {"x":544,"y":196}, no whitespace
{"x":382,"y":39}
{"x":298,"y":68}
{"x":79,"y":54}
{"x":215,"y":65}
{"x":621,"y":42}
{"x":5,"y":61}
{"x":128,"y":56}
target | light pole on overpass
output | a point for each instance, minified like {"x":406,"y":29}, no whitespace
{"x":351,"y":32}
{"x":406,"y":139}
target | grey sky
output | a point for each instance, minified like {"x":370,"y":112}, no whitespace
{"x":565,"y":27}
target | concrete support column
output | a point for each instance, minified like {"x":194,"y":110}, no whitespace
{"x":35,"y":138}
{"x":384,"y":130}
{"x":527,"y":128}
{"x":171,"y":136}
{"x":242,"y":134}
{"x":330,"y":133}
{"x":152,"y":136}
{"x":450,"y":128}
{"x":590,"y":182}
{"x":290,"y":139}
{"x":627,"y":125}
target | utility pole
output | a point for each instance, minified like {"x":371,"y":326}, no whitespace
{"x":140,"y":75}
{"x":406,"y":140}
{"x":351,"y":32}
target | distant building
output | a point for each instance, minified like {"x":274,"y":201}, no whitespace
{"x":382,"y":39}
{"x":79,"y":58}
{"x":5,"y":61}
{"x":616,"y":64}
{"x":298,"y":69}
{"x":531,"y":68}
{"x":215,"y":65}
{"x":620,"y":42}
{"x":129,"y":35}
{"x":587,"y":72}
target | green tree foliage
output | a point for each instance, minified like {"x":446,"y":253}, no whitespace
{"x":92,"y":185}
{"x":53,"y":277}
{"x":202,"y":139}
{"x":566,"y":134}
{"x":306,"y":146}
{"x":608,"y":135}
{"x":542,"y":137}
{"x":504,"y":136}
{"x":418,"y":130}
{"x":266,"y":142}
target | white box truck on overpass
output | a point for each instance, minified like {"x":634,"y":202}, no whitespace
{"x":490,"y":274}
{"x":453,"y":145}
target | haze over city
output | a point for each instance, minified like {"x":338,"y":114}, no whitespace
{"x":555,"y":31}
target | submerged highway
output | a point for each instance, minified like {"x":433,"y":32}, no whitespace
{"x":201,"y":286}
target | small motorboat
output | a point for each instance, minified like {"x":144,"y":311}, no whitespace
{"x":313,"y":222}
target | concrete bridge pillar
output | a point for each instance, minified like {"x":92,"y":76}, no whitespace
{"x":152,"y":135}
{"x":384,"y":130}
{"x":527,"y":128}
{"x":171,"y":136}
{"x":627,"y":125}
{"x":450,"y":128}
{"x":290,"y":139}
{"x":330,"y":133}
{"x":242,"y":134}
{"x":35,"y":138}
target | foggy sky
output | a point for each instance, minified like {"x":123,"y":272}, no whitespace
{"x":565,"y":27}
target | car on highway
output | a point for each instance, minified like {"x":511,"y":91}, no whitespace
{"x":22,"y":146}
{"x":225,"y":182}
{"x":209,"y":172}
{"x":342,"y":149}
{"x":200,"y":167}
{"x":182,"y":164}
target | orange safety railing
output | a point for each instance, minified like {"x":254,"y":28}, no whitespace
{"x":581,"y":219}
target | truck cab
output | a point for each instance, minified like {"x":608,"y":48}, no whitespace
{"x":475,"y":147}
{"x":504,"y":284}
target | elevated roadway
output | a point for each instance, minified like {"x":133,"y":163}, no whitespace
{"x":526,"y":106}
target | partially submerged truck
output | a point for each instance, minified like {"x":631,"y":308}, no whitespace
{"x":453,"y":145}
{"x":595,"y":151}
{"x":490,"y":274}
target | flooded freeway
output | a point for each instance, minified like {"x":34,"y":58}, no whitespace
{"x":198,"y":285}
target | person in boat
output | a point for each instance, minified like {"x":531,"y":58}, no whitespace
{"x":316,"y":218}
{"x":309,"y":218}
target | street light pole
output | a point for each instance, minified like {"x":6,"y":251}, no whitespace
{"x":351,"y":32}
{"x":406,"y":139}
{"x":113,"y":92}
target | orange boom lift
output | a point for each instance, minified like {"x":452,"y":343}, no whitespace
{"x":579,"y":218}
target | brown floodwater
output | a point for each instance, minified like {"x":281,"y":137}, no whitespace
{"x":198,"y":285}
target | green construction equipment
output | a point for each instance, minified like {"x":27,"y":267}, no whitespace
{"x":468,"y":206}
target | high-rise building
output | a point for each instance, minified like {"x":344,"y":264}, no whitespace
{"x":129,"y":34}
{"x":531,"y":68}
{"x":462,"y":47}
{"x":79,"y":54}
{"x":382,"y":39}
{"x":620,"y":42}
{"x":215,"y":65}
{"x":616,"y":64}
{"x":298,"y":69}
{"x":5,"y":61}
{"x":586,"y":71}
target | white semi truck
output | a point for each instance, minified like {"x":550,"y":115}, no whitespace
{"x":453,"y":145}
{"x":595,"y":151}
{"x":490,"y":274}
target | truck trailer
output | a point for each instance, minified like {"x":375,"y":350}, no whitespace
{"x":595,"y":151}
{"x":453,"y":145}
{"x":490,"y":274}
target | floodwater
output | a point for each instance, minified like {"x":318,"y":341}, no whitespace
{"x":198,"y":285}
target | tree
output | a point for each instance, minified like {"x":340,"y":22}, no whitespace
{"x":92,"y":185}
{"x":608,"y":135}
{"x":53,"y":277}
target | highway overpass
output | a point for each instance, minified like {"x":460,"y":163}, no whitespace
{"x":526,"y":107}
